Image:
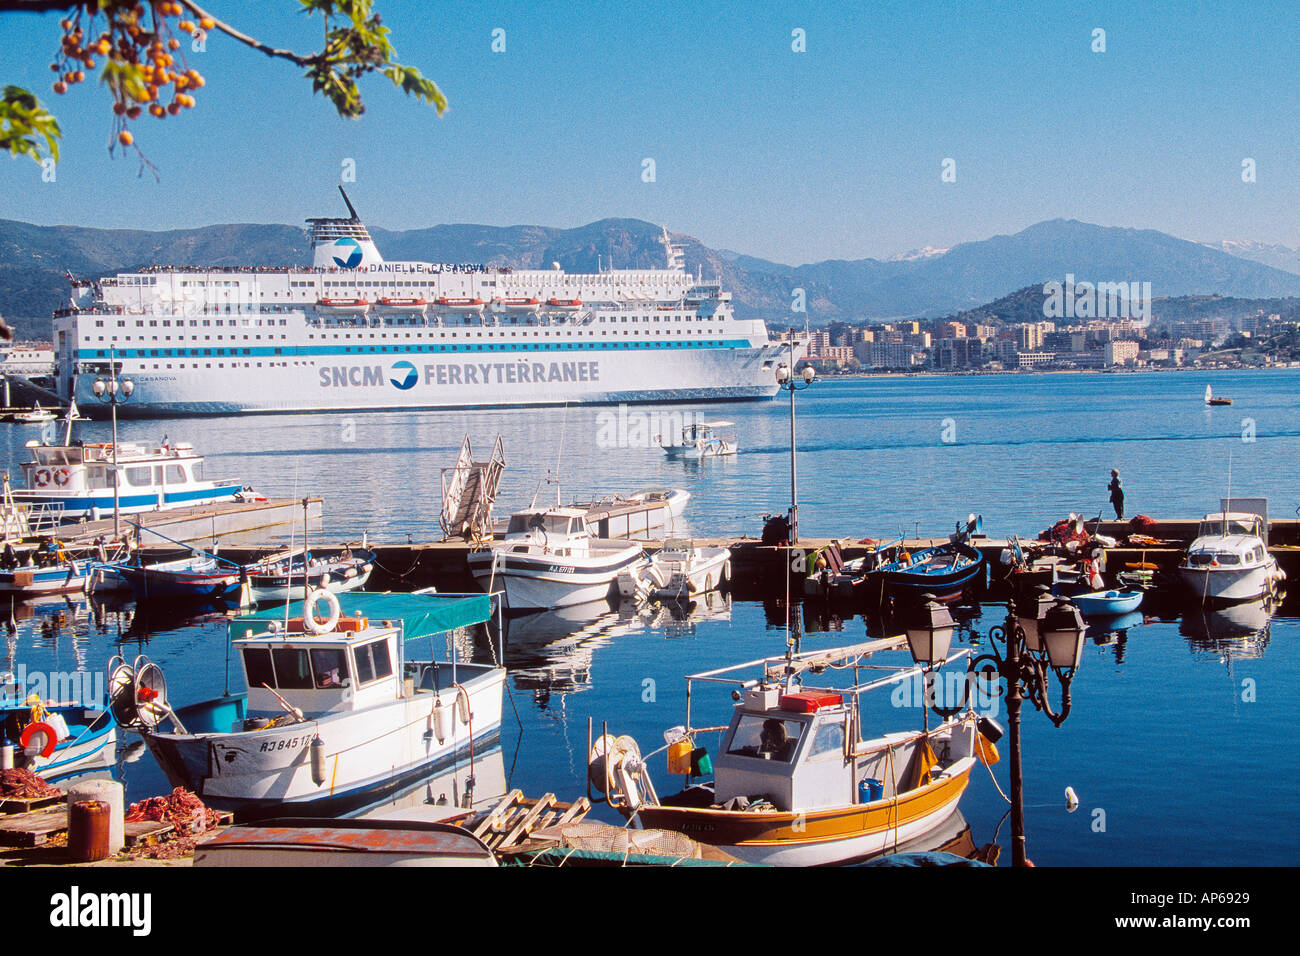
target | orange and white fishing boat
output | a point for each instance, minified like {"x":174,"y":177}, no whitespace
{"x":794,"y":782}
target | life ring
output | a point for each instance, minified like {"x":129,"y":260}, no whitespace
{"x":30,"y":733}
{"x":41,"y":477}
{"x":310,"y":624}
{"x":62,"y":476}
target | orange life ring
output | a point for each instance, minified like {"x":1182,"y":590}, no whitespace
{"x":40,"y":727}
{"x":62,"y":476}
{"x":41,"y":477}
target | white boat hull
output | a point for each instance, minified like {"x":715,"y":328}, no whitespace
{"x":367,"y":751}
{"x":1231,"y":584}
{"x":540,"y":581}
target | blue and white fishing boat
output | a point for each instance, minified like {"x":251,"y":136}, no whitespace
{"x":951,"y":572}
{"x":55,"y":738}
{"x":74,"y":481}
{"x":200,"y":577}
{"x":336,"y":715}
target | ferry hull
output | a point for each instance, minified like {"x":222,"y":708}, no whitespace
{"x":403,"y":381}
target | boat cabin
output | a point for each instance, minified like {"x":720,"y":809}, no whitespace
{"x":559,"y":531}
{"x":351,"y":668}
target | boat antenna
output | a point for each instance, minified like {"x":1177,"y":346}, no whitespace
{"x":349,"y":204}
{"x":559,"y":456}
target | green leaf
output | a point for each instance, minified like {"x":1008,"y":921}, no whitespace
{"x":24,"y":122}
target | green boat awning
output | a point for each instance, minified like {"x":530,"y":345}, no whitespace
{"x":421,"y":614}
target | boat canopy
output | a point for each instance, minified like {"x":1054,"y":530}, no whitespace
{"x":422,"y":615}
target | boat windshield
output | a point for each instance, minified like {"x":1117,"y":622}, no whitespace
{"x":551,"y":524}
{"x":769,"y":738}
{"x":1233,"y":526}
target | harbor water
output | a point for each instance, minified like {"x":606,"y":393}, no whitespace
{"x":1169,"y":745}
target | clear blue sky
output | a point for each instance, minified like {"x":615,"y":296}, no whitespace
{"x":835,"y":152}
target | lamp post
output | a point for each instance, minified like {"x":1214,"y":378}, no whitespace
{"x":1039,"y":636}
{"x":113,"y":392}
{"x":786,"y":379}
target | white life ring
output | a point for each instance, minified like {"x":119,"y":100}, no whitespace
{"x":309,"y":622}
{"x":62,"y":476}
{"x":41,"y":477}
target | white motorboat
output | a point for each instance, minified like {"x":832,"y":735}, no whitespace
{"x":679,"y":570}
{"x":336,"y":715}
{"x":701,"y":440}
{"x":1229,"y":560}
{"x":549,"y":559}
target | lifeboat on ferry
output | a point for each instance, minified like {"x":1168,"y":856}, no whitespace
{"x":564,"y":303}
{"x":460,"y":305}
{"x":519,"y":305}
{"x":343,"y":306}
{"x":402,"y":306}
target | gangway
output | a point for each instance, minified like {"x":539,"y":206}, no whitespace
{"x":469,"y":489}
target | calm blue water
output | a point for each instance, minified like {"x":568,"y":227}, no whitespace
{"x":1172,"y":742}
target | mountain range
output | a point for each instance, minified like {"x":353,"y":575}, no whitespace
{"x":922,"y":283}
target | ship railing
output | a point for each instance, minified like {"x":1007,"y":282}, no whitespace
{"x":45,"y":517}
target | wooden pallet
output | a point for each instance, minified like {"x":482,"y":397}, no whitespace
{"x":15,"y":805}
{"x":515,"y":817}
{"x":34,"y":827}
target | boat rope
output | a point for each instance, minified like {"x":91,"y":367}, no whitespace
{"x":995,"y":780}
{"x":400,"y":576}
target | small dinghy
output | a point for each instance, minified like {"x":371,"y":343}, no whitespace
{"x":1108,"y":603}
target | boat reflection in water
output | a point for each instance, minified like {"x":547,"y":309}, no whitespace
{"x":550,"y":653}
{"x":473,"y":782}
{"x":1238,"y":632}
{"x":1112,"y":631}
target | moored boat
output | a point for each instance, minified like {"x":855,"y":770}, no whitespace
{"x":679,"y":570}
{"x":55,"y":738}
{"x":277,"y":577}
{"x":793,"y":781}
{"x":549,"y":559}
{"x":1229,"y":562}
{"x":199,"y":577}
{"x":1107,"y":603}
{"x":336,"y":715}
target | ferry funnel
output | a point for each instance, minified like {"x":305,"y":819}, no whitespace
{"x":342,"y":243}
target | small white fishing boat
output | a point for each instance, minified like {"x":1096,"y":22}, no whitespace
{"x":794,"y":781}
{"x":1229,"y":561}
{"x":336,"y":715}
{"x":679,"y":570}
{"x":549,"y":559}
{"x":701,"y":440}
{"x":279,"y":576}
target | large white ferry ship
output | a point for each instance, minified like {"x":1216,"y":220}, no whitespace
{"x":355,"y":332}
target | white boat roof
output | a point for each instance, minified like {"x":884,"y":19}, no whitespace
{"x":1233,"y":516}
{"x":561,"y":512}
{"x":714,"y":424}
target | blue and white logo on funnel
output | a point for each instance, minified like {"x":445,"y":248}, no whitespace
{"x":347,"y":253}
{"x":404,"y":375}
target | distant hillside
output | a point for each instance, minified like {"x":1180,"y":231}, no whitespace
{"x":33,"y":260}
{"x":1026,"y":305}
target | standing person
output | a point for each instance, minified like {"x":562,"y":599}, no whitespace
{"x":1116,"y":495}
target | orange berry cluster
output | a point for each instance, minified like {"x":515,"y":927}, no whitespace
{"x":139,"y":44}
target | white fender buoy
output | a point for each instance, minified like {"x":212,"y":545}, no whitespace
{"x":317,"y":760}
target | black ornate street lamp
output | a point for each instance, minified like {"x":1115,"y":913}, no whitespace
{"x":1042,"y":634}
{"x":786,"y":379}
{"x":113,"y":392}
